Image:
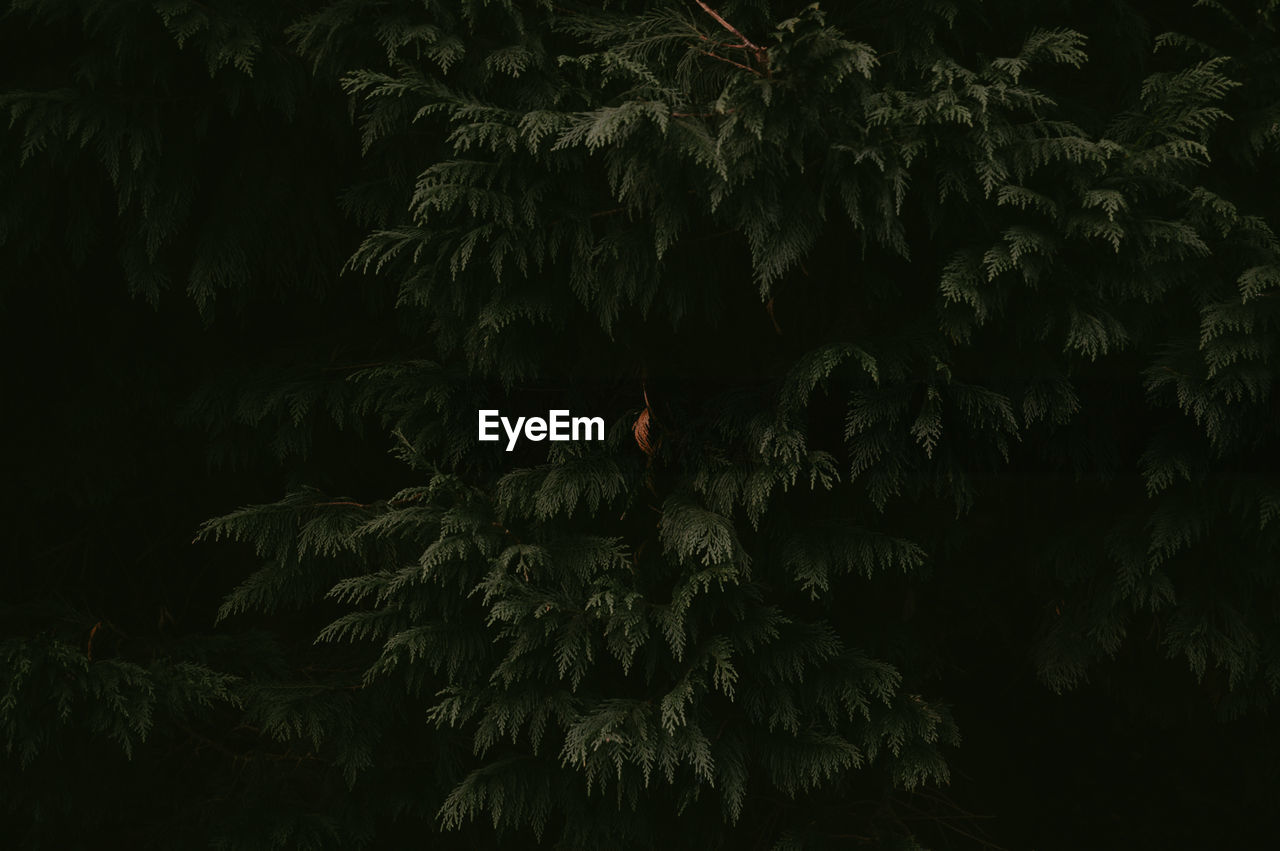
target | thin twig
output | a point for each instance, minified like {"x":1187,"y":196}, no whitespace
{"x":731,"y":62}
{"x":702,"y":114}
{"x":761,"y":54}
{"x":746,"y":42}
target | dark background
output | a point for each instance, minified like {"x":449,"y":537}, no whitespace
{"x":133,"y":415}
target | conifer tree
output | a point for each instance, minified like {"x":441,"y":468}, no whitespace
{"x":935,"y":346}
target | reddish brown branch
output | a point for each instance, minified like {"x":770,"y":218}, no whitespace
{"x":761,"y":54}
{"x":702,"y":114}
{"x":731,"y":62}
{"x":746,"y":42}
{"x":776,"y":327}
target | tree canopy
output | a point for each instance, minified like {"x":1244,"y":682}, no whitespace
{"x":938,"y":504}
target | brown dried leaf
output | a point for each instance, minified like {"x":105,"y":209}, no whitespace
{"x":641,"y":430}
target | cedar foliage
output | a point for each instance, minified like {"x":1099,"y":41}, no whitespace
{"x":936,"y":344}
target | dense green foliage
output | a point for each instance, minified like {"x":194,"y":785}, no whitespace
{"x":936,"y":341}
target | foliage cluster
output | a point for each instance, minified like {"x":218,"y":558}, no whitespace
{"x":937,"y":341}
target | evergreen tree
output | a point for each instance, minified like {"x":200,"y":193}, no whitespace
{"x":935,"y":344}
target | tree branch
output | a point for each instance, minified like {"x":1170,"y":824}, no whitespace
{"x":761,"y":54}
{"x":746,"y":42}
